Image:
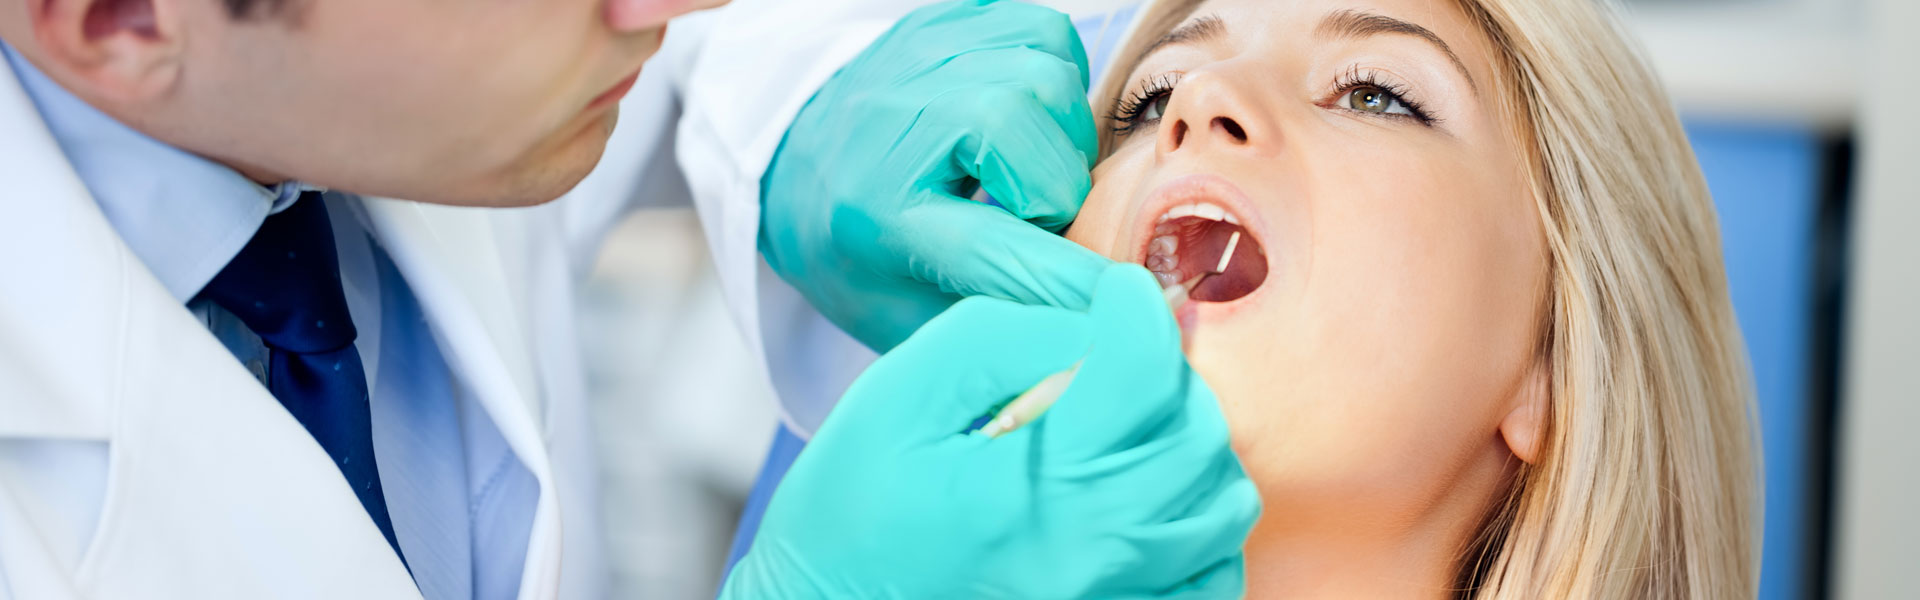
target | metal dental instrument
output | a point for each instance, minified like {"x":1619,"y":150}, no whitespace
{"x":1028,"y":405}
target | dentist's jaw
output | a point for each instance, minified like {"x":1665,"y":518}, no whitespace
{"x":1187,"y":228}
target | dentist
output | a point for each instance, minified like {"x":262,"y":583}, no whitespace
{"x":287,"y":302}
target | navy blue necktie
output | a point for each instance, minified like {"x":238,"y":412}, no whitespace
{"x":285,"y":285}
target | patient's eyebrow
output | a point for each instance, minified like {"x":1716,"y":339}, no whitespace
{"x":1203,"y":29}
{"x":1359,"y":24}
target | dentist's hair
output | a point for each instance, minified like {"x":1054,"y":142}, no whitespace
{"x":1647,"y":485}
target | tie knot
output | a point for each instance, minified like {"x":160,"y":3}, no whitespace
{"x":285,"y":284}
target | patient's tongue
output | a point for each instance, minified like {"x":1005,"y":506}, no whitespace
{"x":1198,"y":243}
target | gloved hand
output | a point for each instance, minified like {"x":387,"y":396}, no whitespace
{"x":1125,"y":488}
{"x":865,"y":206}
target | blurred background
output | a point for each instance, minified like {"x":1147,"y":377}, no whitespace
{"x":1801,"y":112}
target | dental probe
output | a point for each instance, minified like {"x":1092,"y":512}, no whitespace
{"x":1028,"y":405}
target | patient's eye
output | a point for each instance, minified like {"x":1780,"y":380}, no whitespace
{"x":1376,"y":93}
{"x":1156,"y":107}
{"x":1376,"y":100}
{"x":1145,"y":107}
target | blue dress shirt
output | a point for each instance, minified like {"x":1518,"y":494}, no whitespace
{"x":461,"y":501}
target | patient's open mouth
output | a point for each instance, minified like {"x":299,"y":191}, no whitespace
{"x":1197,"y":238}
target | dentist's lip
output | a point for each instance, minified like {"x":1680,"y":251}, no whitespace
{"x":614,"y":94}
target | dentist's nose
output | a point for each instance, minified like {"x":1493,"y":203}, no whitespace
{"x":627,"y":16}
{"x":1208,"y":110}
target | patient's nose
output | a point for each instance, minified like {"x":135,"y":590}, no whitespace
{"x":1206,"y":110}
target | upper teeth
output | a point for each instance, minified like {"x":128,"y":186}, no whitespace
{"x":1163,"y":251}
{"x":1204,"y":210}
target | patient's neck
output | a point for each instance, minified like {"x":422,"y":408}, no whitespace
{"x":1359,"y":549}
{"x":1349,"y":567}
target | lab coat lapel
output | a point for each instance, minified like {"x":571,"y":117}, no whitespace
{"x":451,"y":259}
{"x":212,"y":489}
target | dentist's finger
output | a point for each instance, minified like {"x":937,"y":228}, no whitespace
{"x":969,"y":359}
{"x":953,"y":28}
{"x":1199,"y":535}
{"x":1029,"y":137}
{"x":1134,"y":386}
{"x":971,"y":249}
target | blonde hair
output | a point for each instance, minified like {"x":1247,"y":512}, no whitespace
{"x":1647,"y":485}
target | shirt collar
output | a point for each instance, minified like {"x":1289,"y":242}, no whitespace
{"x":184,"y":216}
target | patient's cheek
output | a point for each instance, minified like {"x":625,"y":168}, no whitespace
{"x":1101,"y":223}
{"x":1080,"y":232}
{"x":1087,"y":223}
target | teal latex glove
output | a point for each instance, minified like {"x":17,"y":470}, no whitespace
{"x":865,"y":206}
{"x":1125,"y":488}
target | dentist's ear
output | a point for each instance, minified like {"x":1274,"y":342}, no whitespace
{"x":117,"y":51}
{"x":1525,"y":426}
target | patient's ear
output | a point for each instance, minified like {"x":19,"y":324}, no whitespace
{"x":1525,"y":426}
{"x":119,"y":51}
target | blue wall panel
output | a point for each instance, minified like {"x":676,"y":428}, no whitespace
{"x":1765,"y":183}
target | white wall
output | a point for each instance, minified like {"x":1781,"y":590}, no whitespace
{"x":1793,"y":61}
{"x":681,"y":419}
{"x":1877,"y":537}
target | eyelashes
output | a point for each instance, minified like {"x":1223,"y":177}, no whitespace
{"x":1365,"y":91}
{"x":1145,"y":105}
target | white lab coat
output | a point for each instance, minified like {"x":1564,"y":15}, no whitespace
{"x":138,"y":459}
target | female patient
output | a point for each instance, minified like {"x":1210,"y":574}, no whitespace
{"x":1473,"y":337}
